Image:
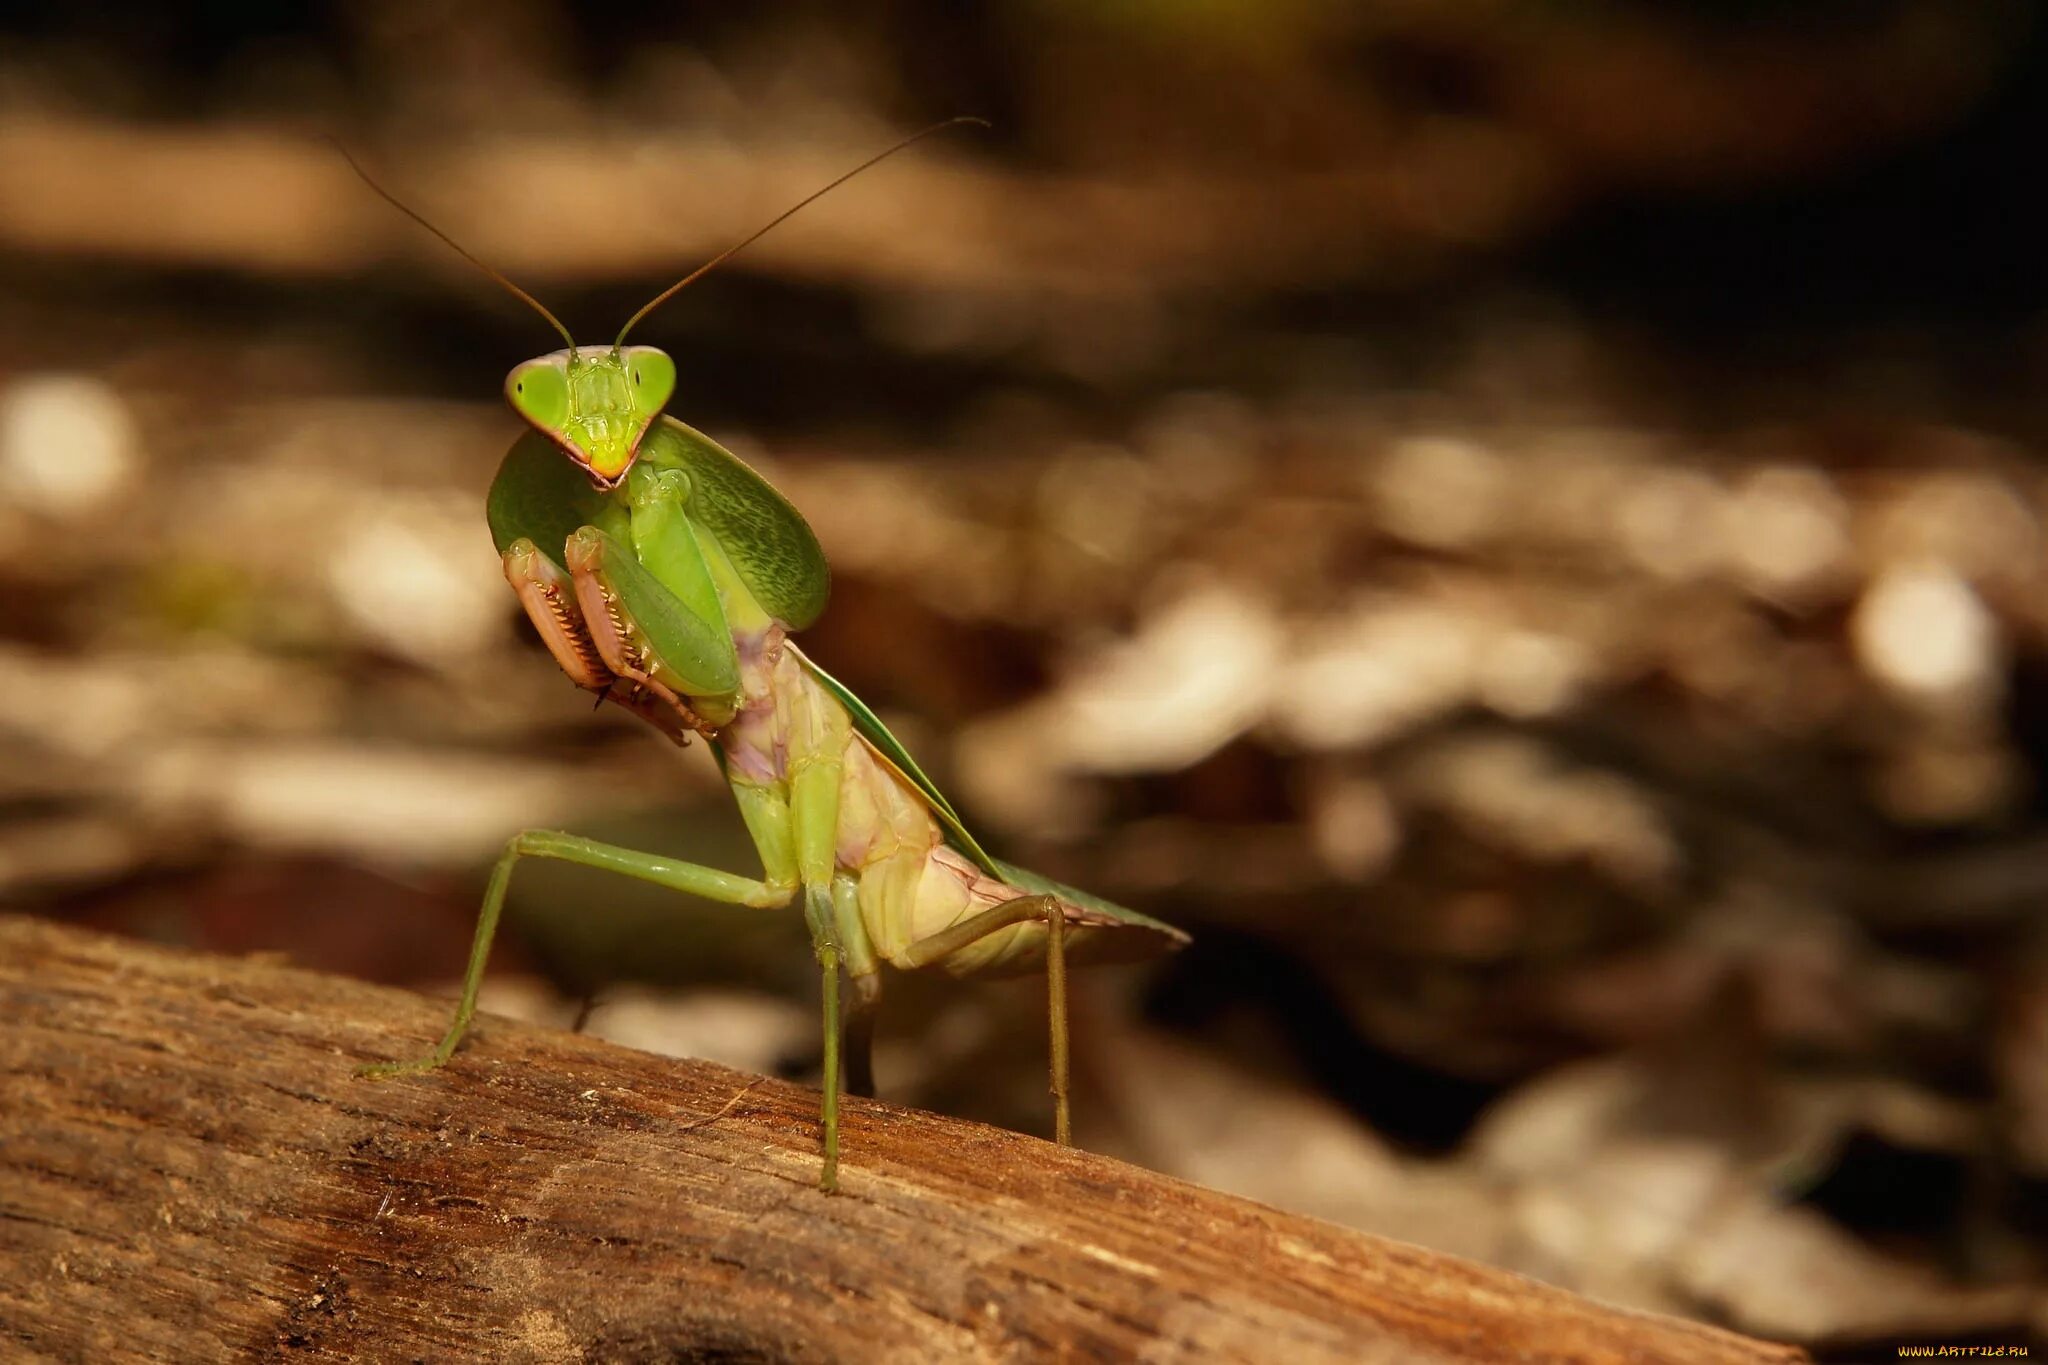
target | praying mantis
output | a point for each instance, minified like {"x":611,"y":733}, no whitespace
{"x":667,"y":576}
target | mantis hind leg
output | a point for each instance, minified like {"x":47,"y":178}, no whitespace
{"x":864,"y":974}
{"x":860,"y":1035}
{"x":1022,"y":910}
{"x":691,"y":878}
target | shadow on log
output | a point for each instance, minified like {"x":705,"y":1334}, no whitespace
{"x":189,"y":1171}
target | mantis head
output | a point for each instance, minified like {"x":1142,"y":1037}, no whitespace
{"x":594,"y":405}
{"x":597,"y":406}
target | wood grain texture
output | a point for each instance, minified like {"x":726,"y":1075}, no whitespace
{"x":189,"y":1171}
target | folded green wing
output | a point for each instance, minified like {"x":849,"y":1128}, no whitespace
{"x":1024,"y":879}
{"x":539,"y":496}
{"x":771,"y":546}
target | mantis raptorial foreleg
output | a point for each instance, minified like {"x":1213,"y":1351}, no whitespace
{"x":690,"y":878}
{"x":1022,"y":910}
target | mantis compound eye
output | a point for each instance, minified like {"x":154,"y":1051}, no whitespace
{"x":650,"y":379}
{"x":539,"y":391}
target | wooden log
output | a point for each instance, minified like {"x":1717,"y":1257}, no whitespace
{"x":190,"y":1171}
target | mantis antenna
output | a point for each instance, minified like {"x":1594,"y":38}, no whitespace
{"x":665,"y":295}
{"x":529,"y":300}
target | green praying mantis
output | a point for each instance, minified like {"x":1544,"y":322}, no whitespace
{"x":666,"y":576}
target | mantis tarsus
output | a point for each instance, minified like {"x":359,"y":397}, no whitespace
{"x":665,"y":575}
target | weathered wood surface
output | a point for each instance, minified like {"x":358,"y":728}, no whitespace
{"x":189,"y":1171}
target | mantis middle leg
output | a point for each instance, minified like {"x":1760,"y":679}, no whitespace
{"x":690,"y":878}
{"x":818,"y":739}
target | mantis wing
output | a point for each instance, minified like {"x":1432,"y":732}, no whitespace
{"x":771,"y":546}
{"x":891,"y":749}
{"x":540,"y":496}
{"x":1024,"y":879}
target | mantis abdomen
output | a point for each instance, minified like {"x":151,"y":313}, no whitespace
{"x":908,"y":883}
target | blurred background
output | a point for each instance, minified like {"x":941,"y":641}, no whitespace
{"x":1518,"y":522}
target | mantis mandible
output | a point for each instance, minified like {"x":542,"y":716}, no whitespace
{"x":666,"y":576}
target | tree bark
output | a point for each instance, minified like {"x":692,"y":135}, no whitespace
{"x":190,"y":1170}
